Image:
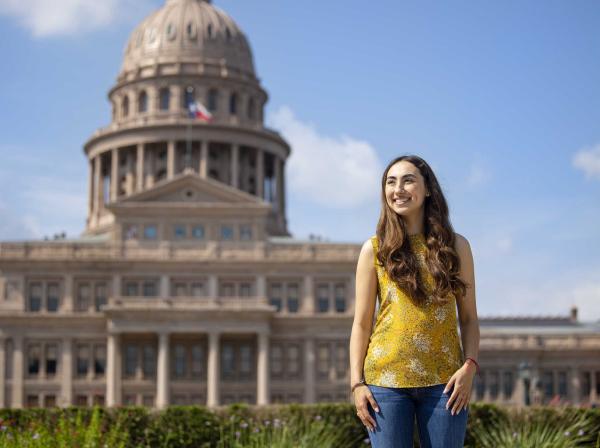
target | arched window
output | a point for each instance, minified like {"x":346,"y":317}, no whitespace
{"x":188,"y":96}
{"x":143,"y":102}
{"x":233,"y":100}
{"x":210,"y":31}
{"x":125,"y":106}
{"x":251,"y":109}
{"x":213,"y":100}
{"x":165,"y":98}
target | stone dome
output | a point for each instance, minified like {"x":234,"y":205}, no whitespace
{"x":189,"y":31}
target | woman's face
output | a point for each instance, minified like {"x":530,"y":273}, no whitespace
{"x":405,"y":188}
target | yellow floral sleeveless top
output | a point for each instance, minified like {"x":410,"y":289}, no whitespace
{"x":411,"y":345}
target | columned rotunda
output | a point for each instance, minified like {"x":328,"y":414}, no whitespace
{"x":186,"y":286}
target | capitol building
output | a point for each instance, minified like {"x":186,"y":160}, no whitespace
{"x":186,"y":286}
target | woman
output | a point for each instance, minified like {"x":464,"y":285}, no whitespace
{"x":411,"y":363}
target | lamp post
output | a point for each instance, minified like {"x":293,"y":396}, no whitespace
{"x":525,"y":375}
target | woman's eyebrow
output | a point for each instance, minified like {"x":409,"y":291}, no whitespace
{"x":406,"y":175}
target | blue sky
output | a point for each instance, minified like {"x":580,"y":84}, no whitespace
{"x":502,"y":99}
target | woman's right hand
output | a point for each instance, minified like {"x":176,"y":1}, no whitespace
{"x":362,"y":398}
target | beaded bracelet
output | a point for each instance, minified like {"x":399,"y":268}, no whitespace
{"x":355,"y":385}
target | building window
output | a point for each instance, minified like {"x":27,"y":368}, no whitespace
{"x":81,"y":400}
{"x":227,"y":360}
{"x":53,"y":298}
{"x":292,"y":298}
{"x":226,"y":233}
{"x":35,"y":297}
{"x":494,"y":378}
{"x":275,"y":296}
{"x":83,"y":297}
{"x":197,"y":361}
{"x":49,"y":401}
{"x":233,"y":100}
{"x":98,"y":400}
{"x":33,"y":401}
{"x":198,"y":232}
{"x":245,"y":290}
{"x":150,"y":232}
{"x":51,"y":359}
{"x":179,"y":290}
{"x":341,"y":360}
{"x":125,"y":107}
{"x":323,"y":360}
{"x":131,"y":289}
{"x":150,"y":289}
{"x":562,"y":384}
{"x":340,"y":298}
{"x":245,"y":232}
{"x":33,"y":360}
{"x":179,"y":364}
{"x":130,"y":232}
{"x":180,"y":232}
{"x":131,"y":360}
{"x":293,"y":360}
{"x":548,"y":384}
{"x":276,"y":360}
{"x":143,"y":102}
{"x":227,"y":290}
{"x":586,"y":384}
{"x":83,"y":356}
{"x":198,"y":290}
{"x":148,"y":400}
{"x":100,"y":360}
{"x":507,"y":384}
{"x":165,"y":98}
{"x":101,"y":296}
{"x":323,"y":298}
{"x":149,"y":361}
{"x":213,"y":100}
{"x":245,"y":360}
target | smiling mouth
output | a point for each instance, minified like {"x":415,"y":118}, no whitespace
{"x":401,"y":201}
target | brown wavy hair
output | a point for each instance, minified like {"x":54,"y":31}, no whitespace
{"x":442,"y":260}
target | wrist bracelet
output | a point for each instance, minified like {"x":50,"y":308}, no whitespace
{"x":355,"y":385}
{"x":476,"y":365}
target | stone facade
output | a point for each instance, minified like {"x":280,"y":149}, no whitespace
{"x":186,"y":286}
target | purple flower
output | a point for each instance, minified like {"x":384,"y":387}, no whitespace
{"x":581,"y":432}
{"x":567,"y":433}
{"x":244,"y":425}
{"x":318,"y":418}
{"x":367,"y":441}
{"x":237,"y":434}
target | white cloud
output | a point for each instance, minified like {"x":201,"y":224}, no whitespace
{"x":337,"y":172}
{"x":63,"y":17}
{"x":588,"y":161}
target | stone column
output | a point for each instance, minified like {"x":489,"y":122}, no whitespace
{"x":213,"y":286}
{"x":139,"y":176}
{"x":308,"y":295}
{"x":262,"y":373}
{"x":162,"y":373}
{"x":260,"y":173}
{"x":68,"y":299}
{"x":281,"y":189}
{"x":114,"y":175}
{"x":575,"y":389}
{"x":235,"y":165}
{"x":203,"y":169}
{"x":176,"y":96}
{"x":2,"y":372}
{"x":309,"y":370}
{"x":17,"y":373}
{"x":116,"y":286}
{"x":113,"y":370}
{"x":66,"y":383}
{"x":170,"y":159}
{"x":213,"y":374}
{"x":261,"y":287}
{"x":164,"y":286}
{"x":97,"y":184}
{"x":91,"y":193}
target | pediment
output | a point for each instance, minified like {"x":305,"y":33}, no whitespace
{"x":191,"y":188}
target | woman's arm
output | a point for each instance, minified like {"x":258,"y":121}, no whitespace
{"x":467,"y":308}
{"x":366,"y":293}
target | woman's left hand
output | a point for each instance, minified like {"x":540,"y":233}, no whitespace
{"x":463,"y":383}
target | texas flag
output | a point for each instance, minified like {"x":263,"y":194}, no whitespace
{"x":197,"y":110}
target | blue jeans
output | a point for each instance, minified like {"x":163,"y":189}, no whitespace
{"x":437,"y":427}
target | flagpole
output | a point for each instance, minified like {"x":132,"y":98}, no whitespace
{"x":188,"y":149}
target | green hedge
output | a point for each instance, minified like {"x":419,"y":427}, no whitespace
{"x":323,"y":425}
